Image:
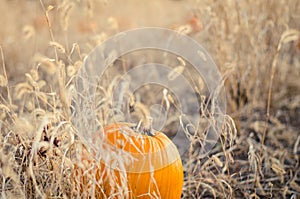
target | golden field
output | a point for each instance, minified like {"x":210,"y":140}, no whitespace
{"x":255,"y":44}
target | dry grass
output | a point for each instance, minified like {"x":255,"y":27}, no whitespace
{"x":256,"y":46}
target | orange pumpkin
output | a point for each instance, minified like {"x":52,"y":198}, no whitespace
{"x":151,"y":167}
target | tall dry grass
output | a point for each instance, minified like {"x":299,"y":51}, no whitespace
{"x":254,"y":44}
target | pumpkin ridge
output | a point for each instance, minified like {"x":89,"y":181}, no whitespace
{"x":156,"y":157}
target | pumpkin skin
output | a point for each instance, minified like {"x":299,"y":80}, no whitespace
{"x":154,"y":172}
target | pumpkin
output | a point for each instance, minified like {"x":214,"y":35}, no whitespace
{"x":151,"y":167}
